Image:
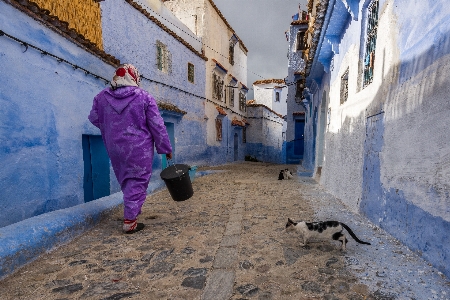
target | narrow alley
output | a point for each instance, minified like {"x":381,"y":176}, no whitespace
{"x":229,"y":242}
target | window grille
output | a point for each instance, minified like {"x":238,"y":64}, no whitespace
{"x":231,"y":94}
{"x":344,"y":87}
{"x":231,"y":54}
{"x":191,"y":72}
{"x":217,"y":87}
{"x":300,"y":86}
{"x":242,"y":102}
{"x":369,"y":58}
{"x":218,"y":129}
{"x":277,"y":96}
{"x":163,"y":58}
{"x":300,"y":40}
{"x":226,"y":94}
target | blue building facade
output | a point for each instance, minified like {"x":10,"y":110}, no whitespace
{"x":265,"y":134}
{"x":53,"y":157}
{"x":295,"y":82}
{"x":377,"y":112}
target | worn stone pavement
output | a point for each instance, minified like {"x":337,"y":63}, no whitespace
{"x":228,"y":242}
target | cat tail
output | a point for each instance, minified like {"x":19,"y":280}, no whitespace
{"x":353,"y":234}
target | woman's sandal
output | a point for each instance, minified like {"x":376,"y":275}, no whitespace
{"x":139,"y":227}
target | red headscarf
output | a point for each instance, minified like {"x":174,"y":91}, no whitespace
{"x":125,"y":75}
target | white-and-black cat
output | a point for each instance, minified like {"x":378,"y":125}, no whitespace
{"x":285,"y":174}
{"x":322,"y":230}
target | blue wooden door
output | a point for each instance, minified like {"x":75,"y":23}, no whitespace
{"x":96,"y":168}
{"x":171,"y":131}
{"x":299,"y":137}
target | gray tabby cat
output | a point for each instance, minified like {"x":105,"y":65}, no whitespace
{"x":322,"y":230}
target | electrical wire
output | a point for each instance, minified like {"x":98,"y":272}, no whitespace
{"x":87,"y":72}
{"x":195,"y":37}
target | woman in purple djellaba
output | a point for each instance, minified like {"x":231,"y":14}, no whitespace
{"x":131,"y":128}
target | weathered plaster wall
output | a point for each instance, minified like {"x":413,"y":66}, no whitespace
{"x":280,"y":106}
{"x":44,"y":114}
{"x":201,"y":17}
{"x":385,"y":150}
{"x":293,"y":66}
{"x":188,"y":33}
{"x":141,"y":36}
{"x":191,"y":15}
{"x":264,"y":135}
{"x":46,"y":105}
{"x":265,"y":94}
{"x":217,"y":40}
{"x":262,"y":95}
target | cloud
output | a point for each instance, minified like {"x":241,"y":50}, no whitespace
{"x":261,"y":25}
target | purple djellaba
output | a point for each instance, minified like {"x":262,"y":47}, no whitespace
{"x":131,"y":127}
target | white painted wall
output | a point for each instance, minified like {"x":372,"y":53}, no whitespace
{"x":157,"y":9}
{"x":215,"y":36}
{"x":265,"y":94}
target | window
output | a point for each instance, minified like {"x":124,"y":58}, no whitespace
{"x":218,"y":129}
{"x":300,"y":41}
{"x":277,"y":96}
{"x":369,"y":57}
{"x":217,"y":87}
{"x":242,"y":102}
{"x":300,"y":86}
{"x":231,"y":53}
{"x":163,"y":58}
{"x":191,"y":72}
{"x":244,"y":135}
{"x":231,"y":95}
{"x":344,"y":87}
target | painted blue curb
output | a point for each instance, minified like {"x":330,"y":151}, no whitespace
{"x":203,"y":173}
{"x":25,"y":241}
{"x":303,"y":172}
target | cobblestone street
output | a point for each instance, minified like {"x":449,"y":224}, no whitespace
{"x":228,"y":242}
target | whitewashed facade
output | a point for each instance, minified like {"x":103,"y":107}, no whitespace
{"x":378,"y":97}
{"x":226,"y":75}
{"x":272,"y":93}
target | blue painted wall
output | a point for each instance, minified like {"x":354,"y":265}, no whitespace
{"x":265,"y":135}
{"x":43,"y":116}
{"x":138,"y":46}
{"x":45,"y":105}
{"x":384,"y":149}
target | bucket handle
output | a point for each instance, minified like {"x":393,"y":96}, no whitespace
{"x":173,"y":164}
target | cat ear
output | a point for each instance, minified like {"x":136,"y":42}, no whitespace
{"x":290,"y":221}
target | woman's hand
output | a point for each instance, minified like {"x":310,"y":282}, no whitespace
{"x":169,"y":155}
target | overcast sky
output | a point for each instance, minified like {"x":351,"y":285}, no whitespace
{"x":261,"y":25}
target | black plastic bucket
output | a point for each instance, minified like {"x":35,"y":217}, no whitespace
{"x":176,"y":177}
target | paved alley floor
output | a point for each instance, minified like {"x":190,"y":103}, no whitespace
{"x":228,"y":242}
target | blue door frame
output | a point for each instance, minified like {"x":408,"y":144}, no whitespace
{"x":171,"y":131}
{"x":96,"y":182}
{"x":299,"y":137}
{"x":236,"y":146}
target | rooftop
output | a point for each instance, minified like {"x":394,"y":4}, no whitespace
{"x":267,"y":81}
{"x":226,"y":23}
